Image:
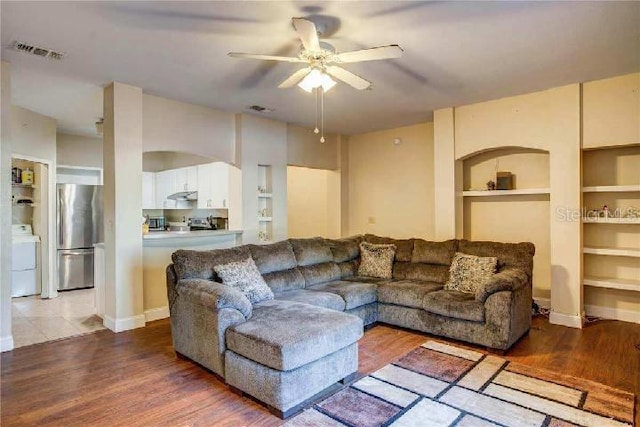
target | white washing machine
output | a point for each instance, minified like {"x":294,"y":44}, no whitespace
{"x":24,"y":280}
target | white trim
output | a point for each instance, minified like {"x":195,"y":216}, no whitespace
{"x":89,"y":168}
{"x":6,"y":343}
{"x":570,"y":320}
{"x":124,"y":323}
{"x":156,"y":313}
{"x":632,"y":316}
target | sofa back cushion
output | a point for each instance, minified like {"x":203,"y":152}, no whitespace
{"x":284,"y":280}
{"x":346,"y":249}
{"x":349,"y":268}
{"x":404,"y":247}
{"x":320,"y":273}
{"x":274,"y":257}
{"x":517,"y":255}
{"x":311,"y":251}
{"x":191,"y":264}
{"x":420,"y":271}
{"x":440,"y":253}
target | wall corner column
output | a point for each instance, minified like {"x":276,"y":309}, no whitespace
{"x":6,"y":338}
{"x":447,"y":177}
{"x":122,"y":149}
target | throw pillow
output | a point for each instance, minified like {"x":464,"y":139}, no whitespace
{"x":244,"y":276}
{"x":470,"y":272}
{"x":376,"y":260}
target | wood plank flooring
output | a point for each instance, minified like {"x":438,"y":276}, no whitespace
{"x":134,"y":378}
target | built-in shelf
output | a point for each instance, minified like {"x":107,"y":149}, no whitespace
{"x":23,"y":205}
{"x":587,"y":220}
{"x":265,"y":195}
{"x":519,"y":192}
{"x":612,"y":283}
{"x":601,"y":250}
{"x":265,"y":219}
{"x":23,"y":186}
{"x":611,"y":188}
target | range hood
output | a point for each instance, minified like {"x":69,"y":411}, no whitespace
{"x":184,"y":195}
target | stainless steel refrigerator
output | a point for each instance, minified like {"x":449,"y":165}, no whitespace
{"x":79,"y":227}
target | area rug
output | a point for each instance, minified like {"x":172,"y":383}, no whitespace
{"x":443,"y":385}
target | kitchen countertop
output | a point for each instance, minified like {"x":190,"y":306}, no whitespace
{"x":153,"y":235}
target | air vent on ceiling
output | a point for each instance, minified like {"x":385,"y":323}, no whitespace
{"x":260,"y":109}
{"x":37,"y":50}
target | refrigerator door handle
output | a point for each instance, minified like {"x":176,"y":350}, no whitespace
{"x":66,"y":252}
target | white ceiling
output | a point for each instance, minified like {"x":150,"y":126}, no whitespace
{"x":456,"y":53}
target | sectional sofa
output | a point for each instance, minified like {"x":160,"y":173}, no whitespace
{"x":286,"y":350}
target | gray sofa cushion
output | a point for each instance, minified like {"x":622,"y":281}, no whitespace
{"x":420,"y":271}
{"x":349,"y":268}
{"x":454,"y":304}
{"x":214,"y":295}
{"x":285,"y":335}
{"x":199,"y":264}
{"x":273,"y":257}
{"x":344,"y":249}
{"x":440,"y":253}
{"x":319,"y":299}
{"x":363,"y":279}
{"x":354,"y":294}
{"x":407,"y":293}
{"x":286,"y":280}
{"x":311,"y":251}
{"x":518,"y":255}
{"x":404,"y":247}
{"x":320,"y":273}
{"x":508,"y":279}
{"x":244,"y":276}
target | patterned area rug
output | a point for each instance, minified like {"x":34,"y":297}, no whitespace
{"x":442,"y":385}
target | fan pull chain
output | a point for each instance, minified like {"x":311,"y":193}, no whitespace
{"x":321,"y":114}
{"x":316,"y":131}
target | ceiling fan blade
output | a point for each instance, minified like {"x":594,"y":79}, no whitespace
{"x":294,"y":78}
{"x":308,"y":34}
{"x":371,"y":54}
{"x":348,"y":77}
{"x":265,"y":57}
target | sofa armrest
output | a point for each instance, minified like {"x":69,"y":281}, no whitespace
{"x":508,"y":279}
{"x":214,"y":295}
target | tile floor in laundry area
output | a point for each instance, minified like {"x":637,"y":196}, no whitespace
{"x":36,"y":320}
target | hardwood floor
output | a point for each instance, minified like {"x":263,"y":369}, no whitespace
{"x":134,"y":378}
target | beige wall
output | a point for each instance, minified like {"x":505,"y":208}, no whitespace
{"x":33,"y":134}
{"x":77,"y":150}
{"x":169,"y":125}
{"x":305,"y":149}
{"x":391,"y":190}
{"x":312,"y":202}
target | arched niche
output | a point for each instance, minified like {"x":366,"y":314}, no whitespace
{"x":523,"y":214}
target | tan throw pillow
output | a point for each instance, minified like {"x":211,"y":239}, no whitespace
{"x":245,"y":277}
{"x":376,"y":260}
{"x":470,"y":272}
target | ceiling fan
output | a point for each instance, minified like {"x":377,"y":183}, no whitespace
{"x":320,"y":57}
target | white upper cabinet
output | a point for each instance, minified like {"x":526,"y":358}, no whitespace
{"x":148,"y":190}
{"x":213,"y":186}
{"x":165,"y":186}
{"x":187,"y":179}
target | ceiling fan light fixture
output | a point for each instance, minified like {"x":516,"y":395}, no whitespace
{"x":315,"y":79}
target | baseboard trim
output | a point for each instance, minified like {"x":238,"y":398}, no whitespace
{"x":613,"y":313}
{"x":156,"y":313}
{"x":6,"y":343}
{"x":124,"y":323}
{"x":569,"y":320}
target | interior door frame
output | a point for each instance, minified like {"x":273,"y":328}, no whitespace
{"x":50,"y":288}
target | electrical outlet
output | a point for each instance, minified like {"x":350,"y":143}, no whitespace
{"x":372,"y":220}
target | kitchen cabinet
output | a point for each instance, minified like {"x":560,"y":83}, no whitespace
{"x":165,"y":185}
{"x":148,"y":190}
{"x":187,"y":179}
{"x":213,"y":186}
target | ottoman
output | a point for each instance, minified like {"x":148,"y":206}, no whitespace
{"x":288,"y":352}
